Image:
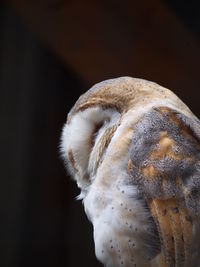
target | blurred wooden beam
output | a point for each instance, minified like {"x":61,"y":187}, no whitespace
{"x":105,"y":39}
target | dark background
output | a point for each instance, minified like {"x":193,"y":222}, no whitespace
{"x":51,"y":52}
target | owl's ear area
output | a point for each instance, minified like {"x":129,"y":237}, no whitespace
{"x":165,"y":166}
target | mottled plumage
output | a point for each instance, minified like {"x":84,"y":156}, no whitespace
{"x":133,"y":147}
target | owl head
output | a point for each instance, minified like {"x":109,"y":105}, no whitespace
{"x":106,"y":114}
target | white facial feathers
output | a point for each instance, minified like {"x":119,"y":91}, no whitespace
{"x":80,"y":138}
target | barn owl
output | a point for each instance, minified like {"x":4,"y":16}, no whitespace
{"x":133,"y":148}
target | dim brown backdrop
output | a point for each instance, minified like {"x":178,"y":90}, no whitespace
{"x":51,"y":52}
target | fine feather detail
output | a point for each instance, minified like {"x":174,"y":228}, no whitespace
{"x":132,"y":146}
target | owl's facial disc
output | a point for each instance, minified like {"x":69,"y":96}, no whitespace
{"x":84,"y":142}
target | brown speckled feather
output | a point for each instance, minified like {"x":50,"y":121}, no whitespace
{"x":166,"y":168}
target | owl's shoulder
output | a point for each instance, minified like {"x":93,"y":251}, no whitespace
{"x":165,"y":147}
